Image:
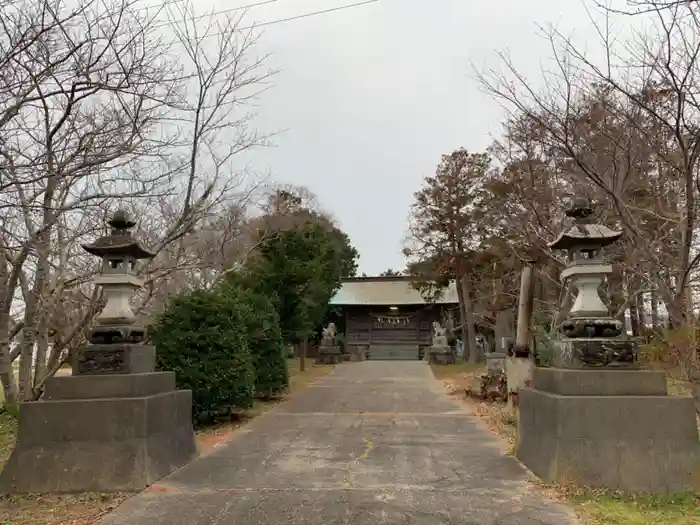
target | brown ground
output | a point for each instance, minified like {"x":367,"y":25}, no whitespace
{"x":87,"y":509}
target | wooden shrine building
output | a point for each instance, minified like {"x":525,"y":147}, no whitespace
{"x":388,"y":317}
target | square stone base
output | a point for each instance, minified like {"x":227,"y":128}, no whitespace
{"x":106,"y":359}
{"x":623,"y":440}
{"x":495,"y":362}
{"x":329,"y":355}
{"x":441,"y":356}
{"x":115,"y":444}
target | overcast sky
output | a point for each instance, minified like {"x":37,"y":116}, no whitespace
{"x":372,"y":96}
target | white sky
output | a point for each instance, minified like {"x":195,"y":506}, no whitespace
{"x":372,"y":96}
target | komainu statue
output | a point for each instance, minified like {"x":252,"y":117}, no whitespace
{"x":329,"y":333}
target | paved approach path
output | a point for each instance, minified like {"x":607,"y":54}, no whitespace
{"x":372,"y":443}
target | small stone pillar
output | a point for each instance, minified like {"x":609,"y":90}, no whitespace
{"x":115,"y":425}
{"x":596,"y":418}
{"x":495,"y":363}
{"x":493,"y":382}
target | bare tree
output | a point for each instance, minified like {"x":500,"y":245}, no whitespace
{"x":623,"y":124}
{"x":626,"y":129}
{"x":81,"y":89}
{"x":101,"y":105}
{"x":445,"y":229}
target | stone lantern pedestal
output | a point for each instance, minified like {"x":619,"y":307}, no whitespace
{"x":115,"y":424}
{"x":615,"y":429}
{"x":596,"y":418}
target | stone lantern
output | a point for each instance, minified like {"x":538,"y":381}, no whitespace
{"x":120,"y":253}
{"x":116,"y":424}
{"x":596,"y":417}
{"x":591,"y":337}
{"x":114,"y":326}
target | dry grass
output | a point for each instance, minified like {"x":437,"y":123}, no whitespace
{"x":83,"y":509}
{"x":605,"y":507}
{"x":311,"y":373}
{"x":594,"y":507}
{"x":677,"y":387}
{"x":8,"y":428}
{"x":87,"y":509}
{"x":460,"y":371}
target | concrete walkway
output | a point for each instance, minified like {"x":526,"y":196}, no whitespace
{"x":374,"y":442}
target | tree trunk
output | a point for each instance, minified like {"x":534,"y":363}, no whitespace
{"x":634,"y":319}
{"x":302,"y":354}
{"x":462,"y":317}
{"x":470,"y":345}
{"x":30,"y":332}
{"x":641,"y":314}
{"x":42,"y":351}
{"x":676,"y":310}
{"x":7,"y":376}
{"x":655,"y":325}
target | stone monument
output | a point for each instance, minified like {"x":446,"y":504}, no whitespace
{"x":495,"y":362}
{"x":493,"y":383}
{"x":596,"y":418}
{"x":440,"y":352}
{"x":329,"y":352}
{"x":115,"y":424}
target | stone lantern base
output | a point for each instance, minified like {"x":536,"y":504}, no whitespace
{"x":616,"y":429}
{"x":101,"y":433}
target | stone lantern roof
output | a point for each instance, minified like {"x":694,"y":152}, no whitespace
{"x":584,"y":232}
{"x":120,"y":240}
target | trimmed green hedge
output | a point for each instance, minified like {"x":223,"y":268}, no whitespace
{"x":264,"y":338}
{"x":203,"y":337}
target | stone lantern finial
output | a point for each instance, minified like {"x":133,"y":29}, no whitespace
{"x":121,"y":220}
{"x":580,"y":209}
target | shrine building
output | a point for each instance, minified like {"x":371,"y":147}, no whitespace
{"x":389,"y":317}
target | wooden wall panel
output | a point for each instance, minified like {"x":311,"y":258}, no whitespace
{"x":364,"y":326}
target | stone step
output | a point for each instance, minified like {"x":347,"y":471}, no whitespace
{"x":394,"y":353}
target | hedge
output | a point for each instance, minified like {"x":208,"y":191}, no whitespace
{"x":203,"y":337}
{"x":264,"y":337}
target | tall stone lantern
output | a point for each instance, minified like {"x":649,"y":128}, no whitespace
{"x":590,"y":336}
{"x":115,"y":337}
{"x":596,"y":418}
{"x":116,"y":424}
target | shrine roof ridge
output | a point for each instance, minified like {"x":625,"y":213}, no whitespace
{"x":387,"y":291}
